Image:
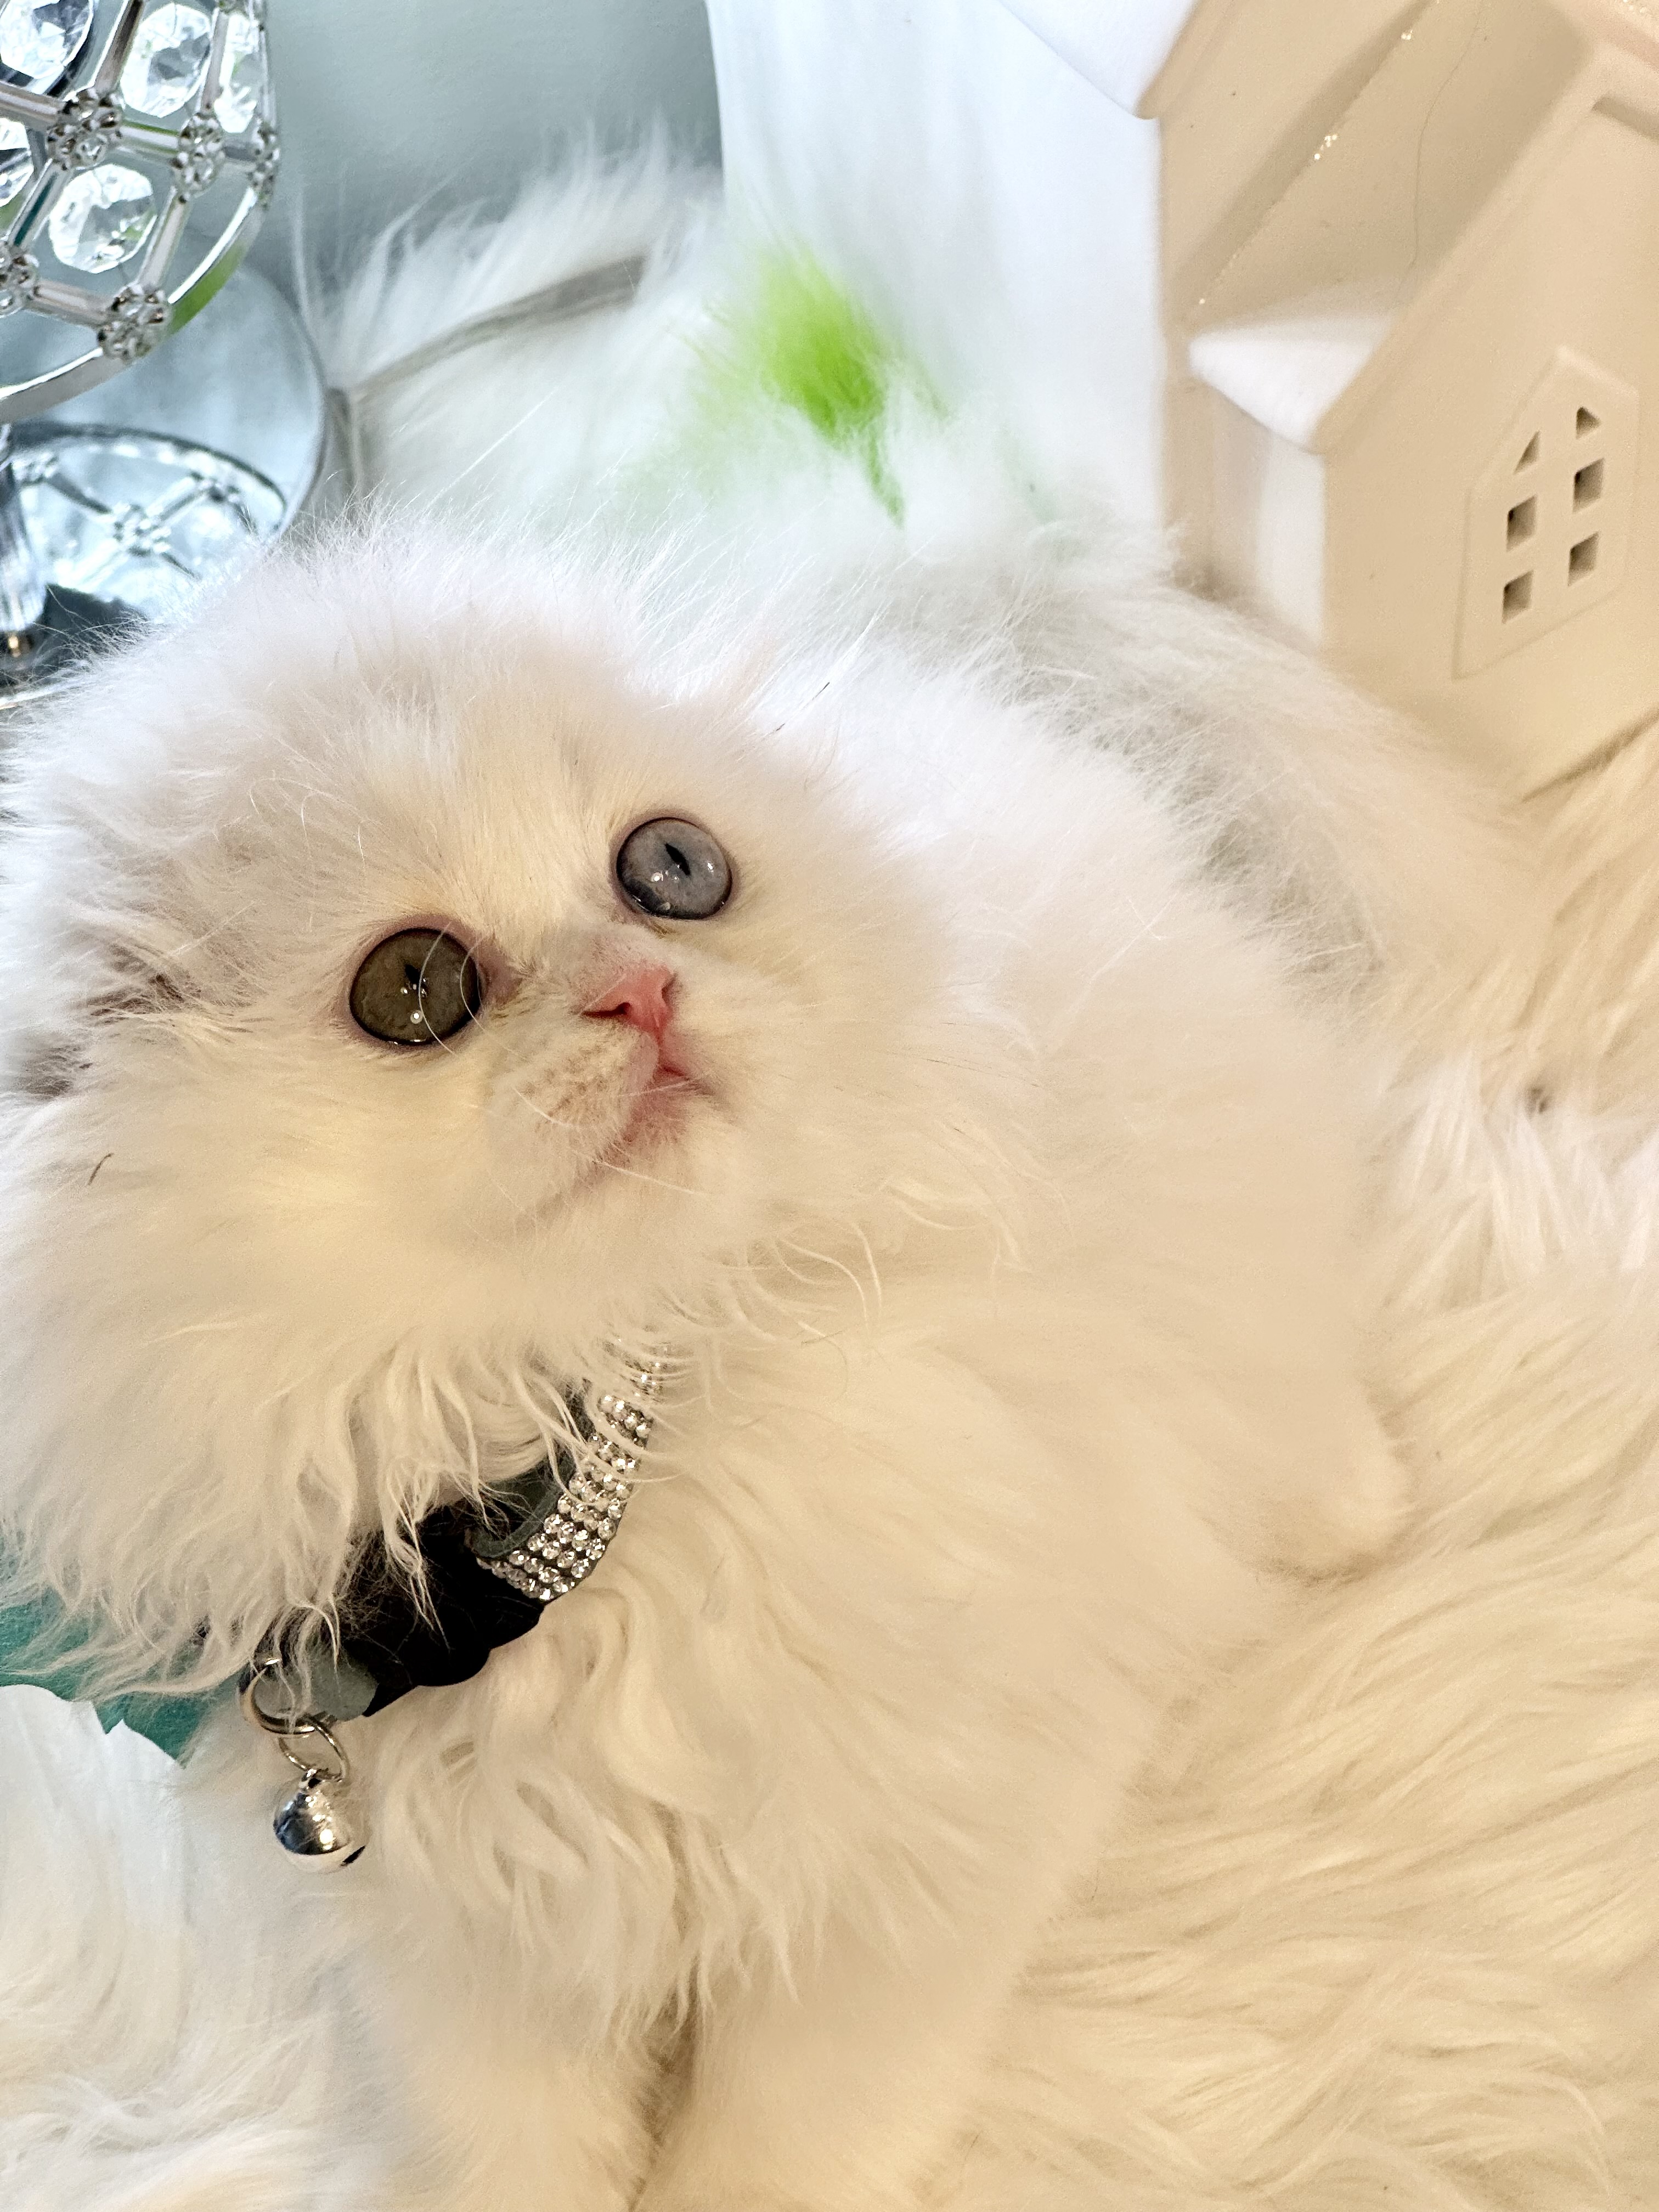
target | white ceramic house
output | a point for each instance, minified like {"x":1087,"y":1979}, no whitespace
{"x":1361,"y":294}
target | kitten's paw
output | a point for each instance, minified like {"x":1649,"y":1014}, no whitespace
{"x":1351,"y":1522}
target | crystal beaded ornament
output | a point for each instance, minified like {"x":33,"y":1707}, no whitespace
{"x":137,"y":152}
{"x":130,"y":126}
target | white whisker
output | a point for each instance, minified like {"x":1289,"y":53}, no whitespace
{"x":597,"y":1159}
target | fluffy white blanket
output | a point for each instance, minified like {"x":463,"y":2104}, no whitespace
{"x":1384,"y":1931}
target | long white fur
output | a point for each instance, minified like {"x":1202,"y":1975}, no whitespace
{"x":848,"y":1711}
{"x":164,"y":2045}
{"x":1008,"y":1260}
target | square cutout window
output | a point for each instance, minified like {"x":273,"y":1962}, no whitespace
{"x":1582,"y":559}
{"x":1523,"y":520}
{"x":1587,"y":484}
{"x":1517,"y":596}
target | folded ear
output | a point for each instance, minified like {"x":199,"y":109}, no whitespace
{"x":44,"y":1053}
{"x":137,"y":989}
{"x":41,"y":1063}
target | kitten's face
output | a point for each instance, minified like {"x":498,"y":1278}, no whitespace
{"x":256,"y":866}
{"x":484,"y":964}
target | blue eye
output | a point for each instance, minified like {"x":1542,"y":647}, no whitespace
{"x":674,"y":870}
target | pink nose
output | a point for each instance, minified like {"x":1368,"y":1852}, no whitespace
{"x":639,"y":997}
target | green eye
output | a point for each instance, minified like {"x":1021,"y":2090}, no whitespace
{"x":416,"y":987}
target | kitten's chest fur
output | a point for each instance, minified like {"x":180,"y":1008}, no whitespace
{"x":860,"y":1589}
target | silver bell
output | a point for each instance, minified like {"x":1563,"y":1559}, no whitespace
{"x":312,"y":1827}
{"x":311,"y":1823}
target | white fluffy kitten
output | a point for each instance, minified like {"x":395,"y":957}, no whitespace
{"x":999,"y":1212}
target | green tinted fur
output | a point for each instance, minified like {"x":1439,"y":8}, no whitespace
{"x":791,"y":339}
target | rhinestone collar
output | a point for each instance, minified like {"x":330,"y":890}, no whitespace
{"x":580,"y":1494}
{"x":488,"y":1574}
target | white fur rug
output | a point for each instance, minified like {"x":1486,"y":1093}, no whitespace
{"x":1384,"y":1930}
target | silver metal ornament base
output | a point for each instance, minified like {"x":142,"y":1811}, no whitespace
{"x":140,"y":520}
{"x":67,"y":628}
{"x":119,"y":508}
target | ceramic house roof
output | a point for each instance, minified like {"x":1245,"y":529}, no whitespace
{"x":1124,"y":46}
{"x":1351,"y":263}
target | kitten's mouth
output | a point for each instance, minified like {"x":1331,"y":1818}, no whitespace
{"x":660,"y":1108}
{"x":657,"y":1111}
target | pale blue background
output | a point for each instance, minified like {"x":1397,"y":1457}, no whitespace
{"x":386,"y":105}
